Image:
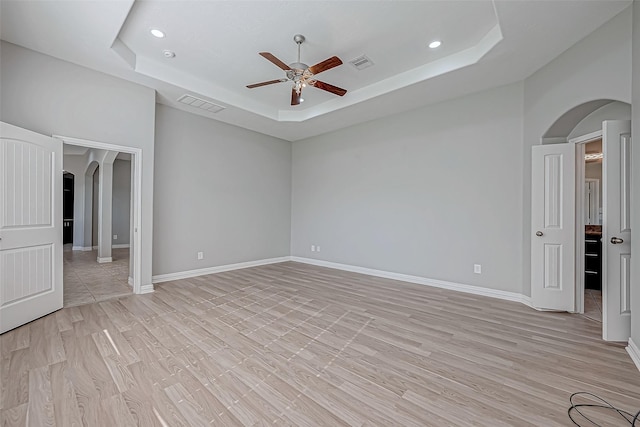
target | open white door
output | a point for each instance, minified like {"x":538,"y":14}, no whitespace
{"x":553,"y":227}
{"x":616,"y":230}
{"x":30,"y":226}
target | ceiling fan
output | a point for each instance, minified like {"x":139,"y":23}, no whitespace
{"x":301,"y":74}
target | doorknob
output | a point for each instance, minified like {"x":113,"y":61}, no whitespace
{"x":539,"y":233}
{"x":616,"y":240}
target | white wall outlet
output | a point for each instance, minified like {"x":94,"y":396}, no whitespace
{"x":200,"y":255}
{"x":313,"y":248}
{"x":317,"y":248}
{"x":477,"y":268}
{"x":115,"y":237}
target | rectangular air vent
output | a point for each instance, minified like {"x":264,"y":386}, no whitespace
{"x":361,"y":62}
{"x":202,"y":104}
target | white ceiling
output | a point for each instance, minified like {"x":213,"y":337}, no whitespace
{"x":485,"y":44}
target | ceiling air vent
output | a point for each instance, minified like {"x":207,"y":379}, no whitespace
{"x":202,"y":104}
{"x":361,"y":62}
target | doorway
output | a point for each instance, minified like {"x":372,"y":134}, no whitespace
{"x":589,"y":213}
{"x":132,"y":260}
{"x":561,"y":206}
{"x":92,"y":275}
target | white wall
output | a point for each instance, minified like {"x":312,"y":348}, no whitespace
{"x":50,"y":96}
{"x":427,"y":193}
{"x":121,"y":202}
{"x":219,"y":189}
{"x":597,"y":67}
{"x":635,"y":185}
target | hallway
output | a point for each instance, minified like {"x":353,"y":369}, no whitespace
{"x":86,"y":281}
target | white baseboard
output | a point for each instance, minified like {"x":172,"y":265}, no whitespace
{"x":103,"y":260}
{"x":476,"y":290}
{"x":82,"y":248}
{"x":219,"y":269}
{"x":634,"y":352}
{"x":146,"y":289}
{"x":121,"y":246}
{"x":130,"y":281}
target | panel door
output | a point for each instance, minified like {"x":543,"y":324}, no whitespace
{"x":553,"y":227}
{"x":30,"y":226}
{"x":616,"y":230}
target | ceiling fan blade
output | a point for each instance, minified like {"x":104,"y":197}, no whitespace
{"x":325,"y":65}
{"x":275,"y":60}
{"x":330,"y":88}
{"x":295,"y":98}
{"x":270,"y":82}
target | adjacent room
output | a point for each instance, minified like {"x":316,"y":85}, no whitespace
{"x":306,"y":213}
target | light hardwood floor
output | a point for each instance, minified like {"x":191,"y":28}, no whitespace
{"x":293,"y":344}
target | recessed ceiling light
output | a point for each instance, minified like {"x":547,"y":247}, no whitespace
{"x":157,"y":33}
{"x":434,"y":44}
{"x":169,"y":53}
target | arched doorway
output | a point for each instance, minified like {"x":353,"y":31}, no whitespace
{"x":560,"y":251}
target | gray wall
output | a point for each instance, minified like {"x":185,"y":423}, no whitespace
{"x":428,"y":192}
{"x":219,"y":189}
{"x":121,"y":199}
{"x":593,"y":122}
{"x":635,"y":185}
{"x":50,"y":96}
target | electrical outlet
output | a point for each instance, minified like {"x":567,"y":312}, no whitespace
{"x":477,"y":268}
{"x":200,"y":255}
{"x":313,"y":248}
{"x":115,"y":237}
{"x":317,"y":248}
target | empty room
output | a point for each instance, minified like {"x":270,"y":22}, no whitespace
{"x":306,"y":213}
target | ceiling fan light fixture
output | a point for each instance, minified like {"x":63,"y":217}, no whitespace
{"x":157,"y":33}
{"x":435,"y":44}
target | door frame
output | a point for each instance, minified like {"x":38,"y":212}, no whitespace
{"x":580,"y":142}
{"x":136,"y":186}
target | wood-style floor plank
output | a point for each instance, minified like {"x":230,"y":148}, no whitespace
{"x":298,"y":345}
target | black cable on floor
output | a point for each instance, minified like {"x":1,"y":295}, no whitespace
{"x":630,"y":418}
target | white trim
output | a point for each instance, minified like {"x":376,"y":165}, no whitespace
{"x":634,"y":352}
{"x":579,"y":229}
{"x":106,"y":259}
{"x":136,"y":163}
{"x":586,"y":138}
{"x":476,"y":290}
{"x":130,"y":281}
{"x":81,"y":248}
{"x":146,"y":289}
{"x":122,"y":246}
{"x":218,"y":269}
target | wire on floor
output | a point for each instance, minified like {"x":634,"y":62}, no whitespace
{"x":578,"y":409}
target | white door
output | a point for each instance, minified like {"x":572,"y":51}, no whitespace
{"x":553,"y":227}
{"x":30,"y":226}
{"x":616,"y":230}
